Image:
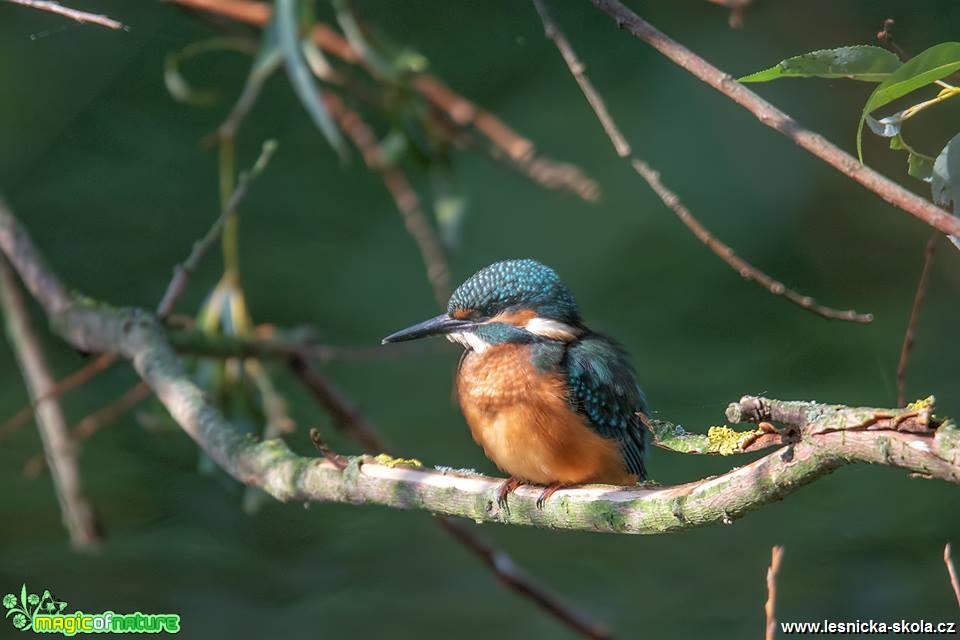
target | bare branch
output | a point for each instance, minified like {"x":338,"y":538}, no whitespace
{"x":952,"y":571}
{"x":669,"y":198}
{"x":769,"y":608}
{"x":75,"y":379}
{"x":738,"y":264}
{"x":82,"y":17}
{"x":776,"y":119}
{"x":284,"y":344}
{"x":182,"y":272}
{"x":77,"y":515}
{"x":403,"y":194}
{"x":92,"y":423}
{"x":918,"y":299}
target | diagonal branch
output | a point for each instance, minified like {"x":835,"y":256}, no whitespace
{"x":402,"y":192}
{"x":57,"y":445}
{"x":830,"y":436}
{"x":669,"y":198}
{"x":83,"y":17}
{"x":918,"y":299}
{"x":776,"y":119}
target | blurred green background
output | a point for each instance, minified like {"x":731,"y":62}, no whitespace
{"x":108,"y":173}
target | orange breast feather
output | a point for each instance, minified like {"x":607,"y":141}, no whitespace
{"x":522,"y":420}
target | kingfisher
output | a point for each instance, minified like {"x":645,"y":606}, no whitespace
{"x":550,"y":401}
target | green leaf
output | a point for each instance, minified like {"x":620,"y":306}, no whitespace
{"x":919,"y":165}
{"x":861,"y":62}
{"x":935,"y":63}
{"x":300,"y":76}
{"x":945,"y":185}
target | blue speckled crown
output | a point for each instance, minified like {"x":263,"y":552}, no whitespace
{"x":516,"y":283}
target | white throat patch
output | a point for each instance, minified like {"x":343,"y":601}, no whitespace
{"x":553,"y":329}
{"x":469,"y":340}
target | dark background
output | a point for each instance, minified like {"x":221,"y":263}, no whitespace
{"x":108,"y":173}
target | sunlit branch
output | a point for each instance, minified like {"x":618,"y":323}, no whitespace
{"x":83,"y":17}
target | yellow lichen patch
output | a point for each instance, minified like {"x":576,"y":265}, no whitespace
{"x":918,"y":405}
{"x":390,"y":461}
{"x":726,"y":441}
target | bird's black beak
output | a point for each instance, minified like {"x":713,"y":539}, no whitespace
{"x":440,"y":325}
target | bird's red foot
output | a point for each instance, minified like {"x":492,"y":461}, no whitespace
{"x":547,"y":493}
{"x":509,"y":486}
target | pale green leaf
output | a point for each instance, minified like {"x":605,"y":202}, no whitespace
{"x":945,"y":184}
{"x":300,"y":75}
{"x":861,"y":62}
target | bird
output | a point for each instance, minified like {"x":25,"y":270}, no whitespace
{"x":550,"y":401}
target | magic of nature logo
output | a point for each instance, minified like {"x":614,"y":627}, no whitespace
{"x":44,"y":614}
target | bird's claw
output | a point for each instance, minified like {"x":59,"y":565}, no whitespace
{"x":546,"y":493}
{"x":509,"y":486}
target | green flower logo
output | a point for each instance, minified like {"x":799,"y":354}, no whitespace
{"x":24,"y":608}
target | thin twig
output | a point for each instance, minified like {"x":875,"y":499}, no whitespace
{"x":183,"y":271}
{"x":669,"y":198}
{"x":769,"y":115}
{"x":776,"y":553}
{"x":345,"y":416}
{"x":92,"y":423}
{"x":348,"y":419}
{"x":727,"y":254}
{"x":82,"y":17}
{"x":335,"y":459}
{"x":75,"y":379}
{"x":289,"y":343}
{"x":403,"y":194}
{"x":918,"y":299}
{"x":513,"y":577}
{"x":952,"y":571}
{"x":77,"y":514}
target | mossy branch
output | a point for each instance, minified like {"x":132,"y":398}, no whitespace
{"x":814,"y":439}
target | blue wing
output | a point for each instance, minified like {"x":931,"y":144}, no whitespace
{"x":603,"y":388}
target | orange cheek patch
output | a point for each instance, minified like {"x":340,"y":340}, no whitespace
{"x":462,"y":314}
{"x":516,"y":318}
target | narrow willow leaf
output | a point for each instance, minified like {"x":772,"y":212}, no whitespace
{"x":301,"y":77}
{"x":355,"y":35}
{"x":179,"y":87}
{"x":945,"y":184}
{"x":935,"y":63}
{"x":861,"y":62}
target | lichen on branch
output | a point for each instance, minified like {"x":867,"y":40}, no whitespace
{"x":813,"y":440}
